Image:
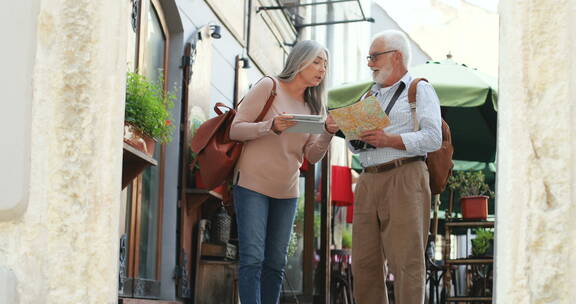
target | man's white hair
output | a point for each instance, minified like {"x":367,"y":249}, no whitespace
{"x":395,"y":40}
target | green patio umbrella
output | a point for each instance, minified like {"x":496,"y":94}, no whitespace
{"x":458,"y":85}
{"x":468,"y":100}
{"x":469,"y":103}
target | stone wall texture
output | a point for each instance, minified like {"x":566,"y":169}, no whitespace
{"x":64,"y":249}
{"x":536,"y":181}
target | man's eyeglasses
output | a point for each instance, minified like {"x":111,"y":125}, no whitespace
{"x":374,"y":57}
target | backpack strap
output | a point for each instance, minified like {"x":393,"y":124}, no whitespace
{"x":217,"y":108}
{"x":269,"y":102}
{"x":265,"y":109}
{"x":199,"y":147}
{"x":412,"y":101}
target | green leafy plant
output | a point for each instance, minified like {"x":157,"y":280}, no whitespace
{"x":469,"y":183}
{"x":194,"y":125}
{"x":484,"y":239}
{"x":293,"y":244}
{"x":346,"y":238}
{"x":191,"y":160}
{"x":297,"y":227}
{"x":147,"y":107}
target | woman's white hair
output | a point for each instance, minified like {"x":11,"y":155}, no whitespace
{"x":303,"y":54}
{"x":395,"y":40}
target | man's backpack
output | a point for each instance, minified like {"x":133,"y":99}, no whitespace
{"x":215,"y":152}
{"x":439,"y":162}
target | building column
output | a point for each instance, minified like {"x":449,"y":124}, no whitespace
{"x":64,"y":247}
{"x":536,"y":179}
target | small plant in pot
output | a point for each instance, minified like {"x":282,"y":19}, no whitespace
{"x":474,"y":193}
{"x":481,"y":274}
{"x":483,"y":243}
{"x":146,"y":117}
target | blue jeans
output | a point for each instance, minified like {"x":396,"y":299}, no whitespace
{"x":264,"y":229}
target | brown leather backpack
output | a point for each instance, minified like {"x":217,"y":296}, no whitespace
{"x":439,"y":162}
{"x":215,"y":152}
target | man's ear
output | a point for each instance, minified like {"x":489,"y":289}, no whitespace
{"x":398,"y":57}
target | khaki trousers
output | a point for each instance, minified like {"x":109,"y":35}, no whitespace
{"x":390,"y":228}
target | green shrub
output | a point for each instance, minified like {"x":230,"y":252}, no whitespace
{"x":469,"y":183}
{"x":346,"y":238}
{"x":293,"y":244}
{"x":147,"y":107}
{"x":484,"y":239}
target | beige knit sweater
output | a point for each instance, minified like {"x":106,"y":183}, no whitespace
{"x":270,"y":163}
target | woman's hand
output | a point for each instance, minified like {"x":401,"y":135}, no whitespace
{"x":331,"y":125}
{"x":282,"y":122}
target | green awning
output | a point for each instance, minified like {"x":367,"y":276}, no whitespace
{"x":458,"y":85}
{"x":347,"y":95}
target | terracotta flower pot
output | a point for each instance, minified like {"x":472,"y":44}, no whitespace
{"x":139,"y":140}
{"x":474,"y":207}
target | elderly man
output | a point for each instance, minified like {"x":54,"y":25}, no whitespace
{"x":392,"y":211}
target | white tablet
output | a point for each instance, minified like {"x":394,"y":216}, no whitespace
{"x":306,"y":117}
{"x":307,"y":126}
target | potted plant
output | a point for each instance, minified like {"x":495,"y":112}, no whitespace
{"x":147,"y":117}
{"x":474,"y":193}
{"x":347,"y":239}
{"x":483,"y":243}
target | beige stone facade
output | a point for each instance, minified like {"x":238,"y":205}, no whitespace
{"x":536,"y":230}
{"x":64,"y":248}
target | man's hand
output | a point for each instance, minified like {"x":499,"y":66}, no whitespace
{"x":331,"y":125}
{"x":380,"y":139}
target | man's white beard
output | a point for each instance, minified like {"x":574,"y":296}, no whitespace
{"x":382,"y":75}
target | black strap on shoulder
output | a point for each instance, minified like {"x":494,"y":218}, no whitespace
{"x":395,"y":97}
{"x":360,"y":145}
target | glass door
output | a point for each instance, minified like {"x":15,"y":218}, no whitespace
{"x":141,"y":243}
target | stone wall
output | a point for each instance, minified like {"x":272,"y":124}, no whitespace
{"x":64,"y":248}
{"x":536,"y":181}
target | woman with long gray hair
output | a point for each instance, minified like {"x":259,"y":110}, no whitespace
{"x":266,"y":175}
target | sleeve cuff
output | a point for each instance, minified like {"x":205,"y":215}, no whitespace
{"x":267,"y":127}
{"x":410,"y":142}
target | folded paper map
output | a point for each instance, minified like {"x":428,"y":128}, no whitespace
{"x":364,"y":115}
